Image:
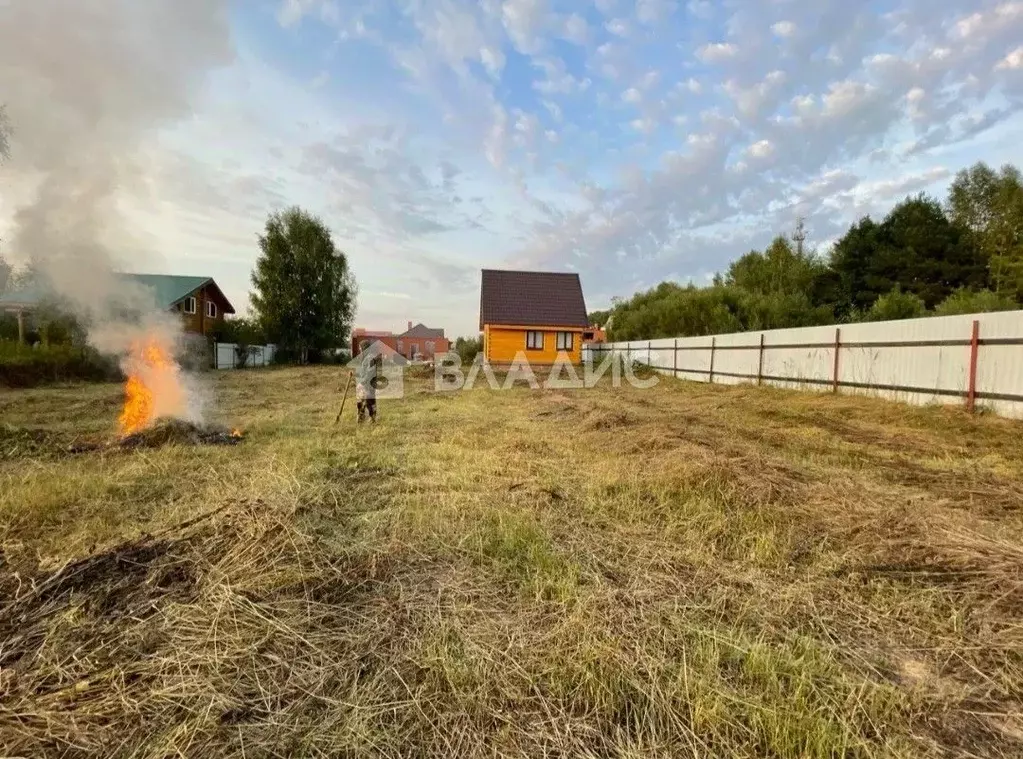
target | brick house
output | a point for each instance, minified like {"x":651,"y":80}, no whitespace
{"x":418,"y":342}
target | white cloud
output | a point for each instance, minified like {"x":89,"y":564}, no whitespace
{"x":575,"y":29}
{"x":979,"y":26}
{"x":701,"y":9}
{"x":751,"y":100}
{"x":494,"y":144}
{"x":493,"y":60}
{"x":525,"y":22}
{"x":1013,"y":61}
{"x":646,"y":125}
{"x":654,"y":11}
{"x":557,"y":80}
{"x":761,"y":149}
{"x":632,"y":95}
{"x":845,"y":97}
{"x":618,"y":27}
{"x":649,"y":79}
{"x":716,"y":52}
{"x":783,"y":29}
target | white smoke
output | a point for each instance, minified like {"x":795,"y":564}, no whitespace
{"x":86,"y":84}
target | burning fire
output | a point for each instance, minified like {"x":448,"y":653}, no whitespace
{"x":154,"y":388}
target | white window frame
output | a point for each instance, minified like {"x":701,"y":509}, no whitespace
{"x":401,"y":347}
{"x":211,"y":309}
{"x":431,"y":347}
{"x":189,"y":305}
{"x":565,"y":341}
{"x":534,"y":340}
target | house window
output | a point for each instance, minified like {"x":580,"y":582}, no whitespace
{"x":534,"y":341}
{"x":564,"y":341}
{"x":401,"y":347}
{"x":430,"y":347}
{"x":189,"y":305}
{"x":211,"y":309}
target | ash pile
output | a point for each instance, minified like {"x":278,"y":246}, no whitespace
{"x":165,"y":432}
{"x":177,"y":432}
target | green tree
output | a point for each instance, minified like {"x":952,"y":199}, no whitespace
{"x":599,"y":318}
{"x":781,"y":269}
{"x":989,"y":205}
{"x":896,"y":305}
{"x":304,"y":296}
{"x":467,"y":348}
{"x":851,"y":260}
{"x":916,"y":248}
{"x":924,"y":253}
{"x":965,"y":301}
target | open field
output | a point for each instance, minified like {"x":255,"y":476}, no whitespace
{"x":688,"y":570}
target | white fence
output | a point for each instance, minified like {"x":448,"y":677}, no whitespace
{"x":225,"y":355}
{"x":973,"y":359}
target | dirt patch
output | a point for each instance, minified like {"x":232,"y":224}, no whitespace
{"x":557,"y":412}
{"x":125,"y":581}
{"x":610,"y":420}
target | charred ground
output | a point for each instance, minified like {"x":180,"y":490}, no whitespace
{"x":686,"y":570}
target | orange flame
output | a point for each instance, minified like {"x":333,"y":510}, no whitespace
{"x":153,"y":385}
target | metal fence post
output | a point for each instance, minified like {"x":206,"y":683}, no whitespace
{"x":971,"y":393}
{"x":674,"y":360}
{"x":838,"y":348}
{"x":713,"y":343}
{"x":760,"y":363}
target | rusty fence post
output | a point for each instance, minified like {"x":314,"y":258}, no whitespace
{"x":971,"y":393}
{"x":760,"y":361}
{"x":838,"y":348}
{"x":713,"y":343}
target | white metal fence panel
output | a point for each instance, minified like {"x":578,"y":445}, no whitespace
{"x":225,"y":355}
{"x":914,"y":360}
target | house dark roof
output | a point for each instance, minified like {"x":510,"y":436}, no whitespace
{"x":532,"y":298}
{"x":421,"y":330}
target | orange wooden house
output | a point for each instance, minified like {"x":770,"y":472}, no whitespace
{"x":537,"y":314}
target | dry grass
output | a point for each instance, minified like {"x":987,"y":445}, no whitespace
{"x":682,"y":571}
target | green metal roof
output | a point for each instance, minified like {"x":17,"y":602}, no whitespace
{"x":27,"y":297}
{"x":168,"y":289}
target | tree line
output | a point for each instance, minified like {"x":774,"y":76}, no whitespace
{"x":964,"y":255}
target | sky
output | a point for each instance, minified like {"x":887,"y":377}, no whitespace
{"x":631,"y":141}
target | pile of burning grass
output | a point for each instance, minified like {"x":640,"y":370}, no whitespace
{"x":177,"y":432}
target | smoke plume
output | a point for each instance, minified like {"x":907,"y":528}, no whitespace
{"x":86,"y":84}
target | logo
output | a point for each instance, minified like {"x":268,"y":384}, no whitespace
{"x":379,"y":371}
{"x":451,"y":376}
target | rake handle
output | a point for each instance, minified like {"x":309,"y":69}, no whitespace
{"x":344,"y":398}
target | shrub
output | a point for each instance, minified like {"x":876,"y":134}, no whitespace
{"x":896,"y":305}
{"x":22,"y":366}
{"x":964,"y":301}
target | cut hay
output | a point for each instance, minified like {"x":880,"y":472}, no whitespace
{"x":712,"y":571}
